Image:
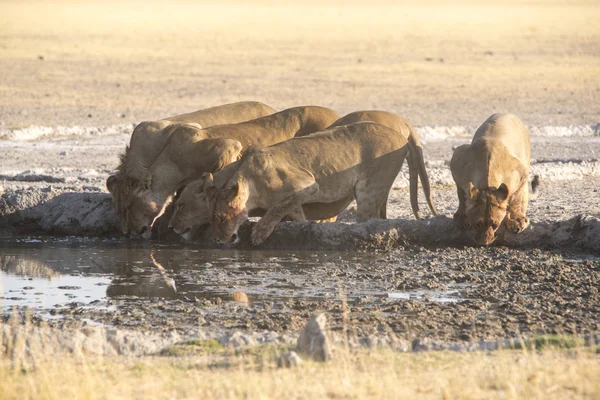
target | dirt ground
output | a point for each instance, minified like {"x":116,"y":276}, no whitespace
{"x":84,"y":72}
{"x":100,"y":63}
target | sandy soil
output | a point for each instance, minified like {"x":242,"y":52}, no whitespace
{"x":99,"y":63}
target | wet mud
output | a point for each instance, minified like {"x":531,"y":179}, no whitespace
{"x":413,"y":295}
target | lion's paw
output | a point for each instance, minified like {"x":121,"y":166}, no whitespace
{"x":518,"y":224}
{"x":260,"y":233}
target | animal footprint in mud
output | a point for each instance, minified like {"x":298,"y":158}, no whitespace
{"x":518,"y":224}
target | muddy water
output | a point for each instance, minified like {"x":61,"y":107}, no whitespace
{"x":45,"y":275}
{"x":439,"y":293}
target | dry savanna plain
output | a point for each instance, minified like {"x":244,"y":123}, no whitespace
{"x":413,"y":309}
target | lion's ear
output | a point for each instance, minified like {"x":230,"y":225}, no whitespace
{"x":502,"y":192}
{"x":146,"y":181}
{"x":111,"y":183}
{"x":233,"y":191}
{"x":208,"y":184}
{"x":473,"y":191}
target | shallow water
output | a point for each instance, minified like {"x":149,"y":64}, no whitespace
{"x":53,"y":273}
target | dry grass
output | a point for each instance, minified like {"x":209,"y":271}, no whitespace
{"x":204,"y":369}
{"x":379,"y":374}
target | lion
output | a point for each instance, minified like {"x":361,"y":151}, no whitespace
{"x":351,"y":162}
{"x":415,"y":161}
{"x":191,"y":207}
{"x":149,"y":137}
{"x":491,"y":176}
{"x":189,"y":152}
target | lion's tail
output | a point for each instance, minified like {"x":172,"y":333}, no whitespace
{"x":416,"y":171}
{"x":534,"y":189}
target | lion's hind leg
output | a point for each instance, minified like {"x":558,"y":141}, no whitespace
{"x":371,"y":200}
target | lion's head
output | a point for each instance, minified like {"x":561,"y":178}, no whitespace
{"x":486,"y":209}
{"x":226,"y":208}
{"x":191,"y":209}
{"x":134,"y":204}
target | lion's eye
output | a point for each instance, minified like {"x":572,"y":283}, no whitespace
{"x":222,"y":218}
{"x":494,"y":226}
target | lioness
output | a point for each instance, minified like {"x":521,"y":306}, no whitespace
{"x":416,"y":163}
{"x":189,"y":152}
{"x":191,"y":207}
{"x":491,"y":176}
{"x":358,"y":161}
{"x":149,"y":137}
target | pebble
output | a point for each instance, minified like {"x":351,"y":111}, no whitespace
{"x":289,"y":360}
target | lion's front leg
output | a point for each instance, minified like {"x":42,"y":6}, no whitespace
{"x":460,"y":216}
{"x":290,"y":206}
{"x":516,"y":221}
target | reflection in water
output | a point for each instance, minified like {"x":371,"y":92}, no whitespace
{"x":100,"y":275}
{"x":19,"y":266}
{"x":441,"y":296}
{"x":48,"y":277}
{"x":136,"y":282}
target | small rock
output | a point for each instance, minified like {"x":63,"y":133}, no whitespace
{"x":289,"y":360}
{"x":238,"y":339}
{"x":240,"y":297}
{"x":313,"y":339}
{"x":41,"y":58}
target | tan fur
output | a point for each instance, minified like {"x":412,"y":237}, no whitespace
{"x":191,"y":207}
{"x":149,"y":137}
{"x":189,"y":152}
{"x":415,"y":161}
{"x":491,"y":178}
{"x":358,"y":161}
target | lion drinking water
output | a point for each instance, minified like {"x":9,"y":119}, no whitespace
{"x":491,"y":176}
{"x":149,"y":137}
{"x":190,"y":151}
{"x":352,"y":162}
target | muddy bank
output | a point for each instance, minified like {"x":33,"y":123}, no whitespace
{"x":92,"y":214}
{"x":53,"y":212}
{"x":580,"y":232}
{"x":428,"y":296}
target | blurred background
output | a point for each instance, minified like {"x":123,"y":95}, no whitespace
{"x":98,"y":62}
